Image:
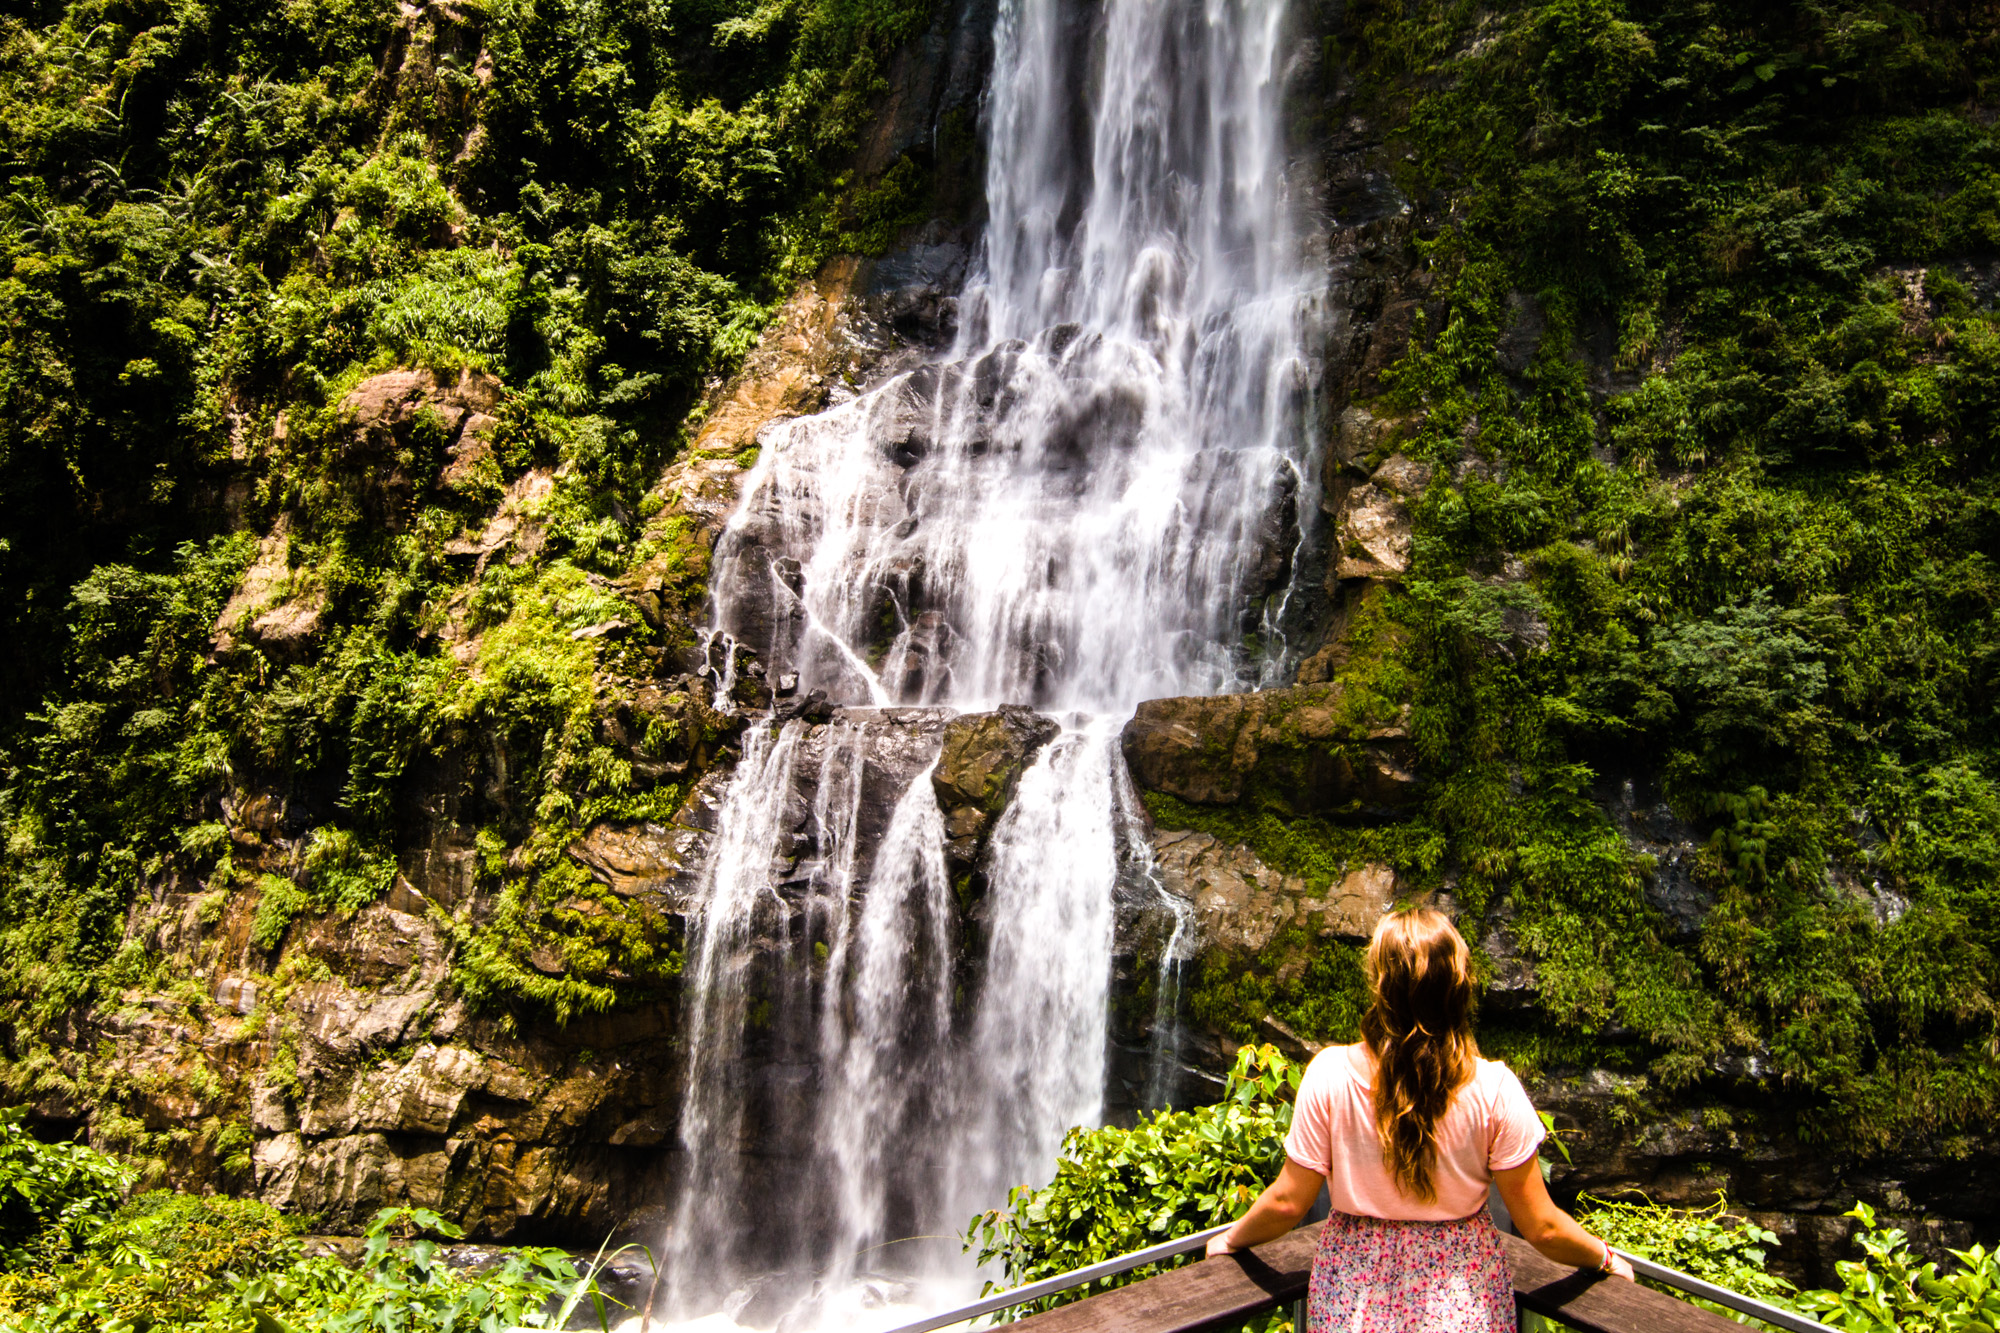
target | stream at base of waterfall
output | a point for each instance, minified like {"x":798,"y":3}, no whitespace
{"x":1096,"y":497}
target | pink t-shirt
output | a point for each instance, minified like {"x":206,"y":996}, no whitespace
{"x":1490,"y":1126}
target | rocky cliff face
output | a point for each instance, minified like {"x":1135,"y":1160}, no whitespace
{"x":331,"y":1063}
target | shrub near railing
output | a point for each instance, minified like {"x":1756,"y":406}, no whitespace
{"x":1710,"y":1243}
{"x":1119,"y":1190}
{"x":1888,"y":1291}
{"x":1177,"y":1172}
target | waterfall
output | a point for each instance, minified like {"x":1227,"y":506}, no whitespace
{"x":1094,"y":498}
{"x":736,"y":899}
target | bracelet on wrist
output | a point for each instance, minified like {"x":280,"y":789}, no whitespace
{"x":1605,"y":1266}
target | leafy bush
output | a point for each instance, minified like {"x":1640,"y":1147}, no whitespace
{"x":1118,"y":1190}
{"x":1709,"y":1243}
{"x":51,"y":1187}
{"x":177,"y":1263}
{"x":1888,"y":1291}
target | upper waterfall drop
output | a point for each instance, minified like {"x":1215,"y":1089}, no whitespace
{"x":1094,"y":498}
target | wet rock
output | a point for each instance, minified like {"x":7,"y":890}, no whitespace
{"x":915,"y":290}
{"x":979,"y":764}
{"x":812,"y":706}
{"x":983,"y":754}
{"x":1354,"y":604}
{"x":1298,"y":751}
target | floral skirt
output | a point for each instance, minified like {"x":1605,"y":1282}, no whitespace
{"x":1376,"y":1276}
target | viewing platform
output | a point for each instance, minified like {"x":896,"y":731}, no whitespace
{"x":1218,"y":1294}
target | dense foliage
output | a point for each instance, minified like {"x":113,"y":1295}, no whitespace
{"x":1704,"y":361}
{"x":1119,"y":1190}
{"x":1889,"y":1291}
{"x":216,"y":220}
{"x":1709,"y":1243}
{"x":165,"y":1262}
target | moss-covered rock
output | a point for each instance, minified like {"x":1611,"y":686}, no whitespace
{"x":979,"y":765}
{"x":1299,"y":751}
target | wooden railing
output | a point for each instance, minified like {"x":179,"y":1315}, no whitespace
{"x":1220,"y":1294}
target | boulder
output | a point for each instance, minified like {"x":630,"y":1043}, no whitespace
{"x":268,"y":608}
{"x":979,"y":765}
{"x":1298,"y":751}
{"x":635,"y":859}
{"x":1243,"y":904}
{"x":408,"y":429}
{"x":1374,"y":535}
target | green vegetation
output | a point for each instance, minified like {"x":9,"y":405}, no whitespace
{"x":1704,"y":362}
{"x":1888,"y":1291}
{"x":218,"y":220}
{"x":1120,"y":1190}
{"x":1709,"y":1243}
{"x":81,"y":1257}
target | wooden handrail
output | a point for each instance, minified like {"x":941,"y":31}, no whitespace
{"x":1219,"y":1294}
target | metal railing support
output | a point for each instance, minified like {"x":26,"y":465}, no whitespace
{"x":1723,"y":1296}
{"x":1049,"y":1286}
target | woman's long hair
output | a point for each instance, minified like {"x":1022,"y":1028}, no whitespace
{"x":1420,"y":1030}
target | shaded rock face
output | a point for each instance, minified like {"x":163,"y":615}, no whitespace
{"x":370,"y":1087}
{"x":1749,"y":1149}
{"x":1651,"y":829}
{"x":365,"y":1078}
{"x":1292,"y":750}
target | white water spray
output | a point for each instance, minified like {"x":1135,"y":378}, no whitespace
{"x":1094,"y":499}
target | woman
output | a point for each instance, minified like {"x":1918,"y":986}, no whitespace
{"x":1406,"y":1128}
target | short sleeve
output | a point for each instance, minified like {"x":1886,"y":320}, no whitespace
{"x":1516,"y":1131}
{"x":1310,"y":1142}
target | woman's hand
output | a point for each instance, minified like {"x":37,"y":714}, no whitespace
{"x":1547,"y":1227}
{"x":1219,"y":1246}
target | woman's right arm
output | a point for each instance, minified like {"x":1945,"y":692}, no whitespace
{"x":1546,"y":1227}
{"x":1282,"y":1205}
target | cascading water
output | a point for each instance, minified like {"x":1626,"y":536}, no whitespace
{"x":1094,"y":499}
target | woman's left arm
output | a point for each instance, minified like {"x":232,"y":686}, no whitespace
{"x":1277,"y":1210}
